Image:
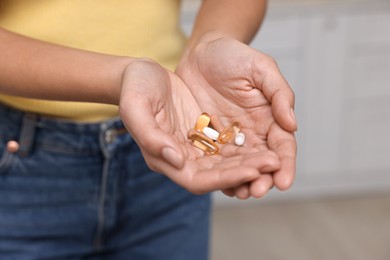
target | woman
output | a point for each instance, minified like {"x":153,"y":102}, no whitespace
{"x":73,"y":181}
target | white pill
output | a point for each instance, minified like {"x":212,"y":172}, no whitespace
{"x":210,"y":133}
{"x":239,"y":139}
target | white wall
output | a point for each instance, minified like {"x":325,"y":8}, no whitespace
{"x":336,"y":57}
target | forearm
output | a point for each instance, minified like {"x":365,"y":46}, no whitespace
{"x":237,"y":19}
{"x":36,"y":69}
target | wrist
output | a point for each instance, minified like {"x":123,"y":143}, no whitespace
{"x":138,"y":74}
{"x":197,"y":41}
{"x":205,"y":37}
{"x":127,"y":68}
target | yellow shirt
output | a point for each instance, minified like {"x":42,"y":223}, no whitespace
{"x":135,"y":28}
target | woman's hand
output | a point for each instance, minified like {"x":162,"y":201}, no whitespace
{"x":158,"y":109}
{"x":233,"y":81}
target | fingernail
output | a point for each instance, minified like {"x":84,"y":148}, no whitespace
{"x":172,"y":157}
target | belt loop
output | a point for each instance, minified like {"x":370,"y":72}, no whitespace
{"x":27,"y":134}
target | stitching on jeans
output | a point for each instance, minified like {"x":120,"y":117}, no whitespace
{"x":6,"y":160}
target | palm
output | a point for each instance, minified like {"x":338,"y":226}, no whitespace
{"x":158,"y":109}
{"x":171,"y":105}
{"x":227,"y":80}
{"x":226,"y":88}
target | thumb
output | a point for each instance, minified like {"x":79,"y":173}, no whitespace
{"x":139,"y":119}
{"x":278,"y":92}
{"x":173,"y":157}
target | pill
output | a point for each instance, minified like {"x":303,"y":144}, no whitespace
{"x":210,"y":133}
{"x":239,"y":139}
{"x":203,"y":142}
{"x":202,"y":122}
{"x":236,"y":127}
{"x":229,"y":133}
{"x":216,"y":123}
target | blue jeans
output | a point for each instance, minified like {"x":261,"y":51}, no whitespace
{"x":83,"y":191}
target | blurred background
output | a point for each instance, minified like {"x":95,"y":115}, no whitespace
{"x":336,"y":57}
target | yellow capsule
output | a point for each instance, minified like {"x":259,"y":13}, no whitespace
{"x":203,"y":142}
{"x":202,"y":122}
{"x":229,"y":133}
{"x":236,"y":127}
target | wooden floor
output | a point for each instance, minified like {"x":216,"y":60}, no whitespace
{"x":329,"y":229}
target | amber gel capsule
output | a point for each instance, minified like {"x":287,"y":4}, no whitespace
{"x":229,"y":133}
{"x":203,"y":142}
{"x":202,"y":122}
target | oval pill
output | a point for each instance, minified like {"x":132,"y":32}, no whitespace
{"x":229,"y":133}
{"x":202,"y":122}
{"x":236,"y":127}
{"x":226,"y":135}
{"x":239,"y":139}
{"x":210,"y":133}
{"x":203,"y":142}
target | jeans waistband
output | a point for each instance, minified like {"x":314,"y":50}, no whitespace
{"x":31,"y":129}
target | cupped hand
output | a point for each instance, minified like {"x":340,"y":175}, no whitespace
{"x":158,"y":109}
{"x":238,"y":83}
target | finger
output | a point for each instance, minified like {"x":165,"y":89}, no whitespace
{"x":221,"y":179}
{"x":205,"y":174}
{"x":283,"y":143}
{"x":229,"y":192}
{"x":260,"y":187}
{"x":234,"y":171}
{"x":242,"y":191}
{"x":140,"y":121}
{"x":215,"y":172}
{"x":276,"y":89}
{"x":253,"y":153}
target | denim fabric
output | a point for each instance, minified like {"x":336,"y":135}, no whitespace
{"x":83,"y":191}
